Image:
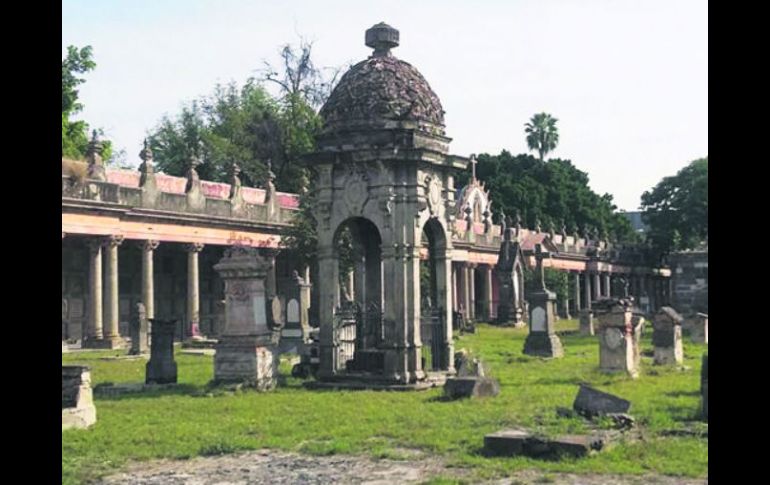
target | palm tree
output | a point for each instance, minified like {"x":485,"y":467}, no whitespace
{"x":542,"y":134}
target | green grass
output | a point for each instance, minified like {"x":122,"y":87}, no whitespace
{"x":190,"y":421}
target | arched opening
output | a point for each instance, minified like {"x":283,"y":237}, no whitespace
{"x":358,"y":315}
{"x":435,"y":297}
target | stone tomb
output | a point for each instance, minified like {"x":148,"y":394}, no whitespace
{"x":619,"y":334}
{"x":542,"y":340}
{"x":667,"y":337}
{"x":161,"y":369}
{"x":247,"y":349}
{"x":77,"y":404}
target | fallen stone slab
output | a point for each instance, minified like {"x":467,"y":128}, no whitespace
{"x":513,"y":442}
{"x":111,"y":390}
{"x":590,"y":402}
{"x":461,"y":387}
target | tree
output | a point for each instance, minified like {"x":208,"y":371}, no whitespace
{"x":676,"y":209}
{"x":542,"y":134}
{"x":75,"y":134}
{"x":555,"y":193}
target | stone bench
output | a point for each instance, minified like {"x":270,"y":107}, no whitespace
{"x":77,"y":404}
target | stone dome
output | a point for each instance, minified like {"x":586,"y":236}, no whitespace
{"x":381,"y":89}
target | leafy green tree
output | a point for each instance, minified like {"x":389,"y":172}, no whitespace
{"x":75,"y":134}
{"x":554,"y":281}
{"x":676,"y":209}
{"x":542,"y":134}
{"x":555,"y":193}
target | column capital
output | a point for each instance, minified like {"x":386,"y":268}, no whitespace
{"x":149,"y":245}
{"x":194,"y":247}
{"x":94,"y":244}
{"x":113,"y":241}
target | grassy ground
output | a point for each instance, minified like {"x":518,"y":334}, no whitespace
{"x":188,"y":421}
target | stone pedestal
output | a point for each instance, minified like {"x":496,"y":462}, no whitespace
{"x":161,"y":369}
{"x":667,"y":337}
{"x":138,"y":330}
{"x":618,"y":339}
{"x":247,"y":348}
{"x":587,"y":322}
{"x":542,"y":340}
{"x":77,"y":404}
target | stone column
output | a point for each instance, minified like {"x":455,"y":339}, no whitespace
{"x":329,"y":299}
{"x":565,"y":303}
{"x":587,"y":289}
{"x":577,"y":292}
{"x":111,"y":332}
{"x":597,"y":287}
{"x":472,"y":292}
{"x":94,"y":334}
{"x":455,"y":292}
{"x":443,"y":271}
{"x":607,"y":285}
{"x":465,"y":301}
{"x":193,"y":290}
{"x":148,"y":277}
{"x":489,"y":294}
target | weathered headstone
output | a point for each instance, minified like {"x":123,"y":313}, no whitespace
{"x":587,"y":322}
{"x":161,"y":369}
{"x":619,"y":335}
{"x":704,"y":386}
{"x":138,"y":330}
{"x":699,"y":329}
{"x":472,"y":386}
{"x":77,"y":404}
{"x":590,"y":402}
{"x":542,"y":340}
{"x":247,"y":349}
{"x":667,"y":337}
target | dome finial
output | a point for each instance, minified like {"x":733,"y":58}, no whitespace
{"x":381,"y":37}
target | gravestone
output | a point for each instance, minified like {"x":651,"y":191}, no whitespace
{"x":515,"y":442}
{"x":542,"y":340}
{"x":161,"y":369}
{"x":471,"y":380}
{"x":295,"y":333}
{"x":667,"y":337}
{"x":77,"y":404}
{"x":699,"y":329}
{"x":619,"y":335}
{"x":138,"y":330}
{"x":587,"y":322}
{"x":590,"y":402}
{"x":247,"y":351}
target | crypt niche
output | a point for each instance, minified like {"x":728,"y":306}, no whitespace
{"x":384,"y":182}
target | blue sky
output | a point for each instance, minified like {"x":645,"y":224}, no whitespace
{"x":628,"y":80}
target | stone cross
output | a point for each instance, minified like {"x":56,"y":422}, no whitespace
{"x":473,"y":166}
{"x":539,"y":255}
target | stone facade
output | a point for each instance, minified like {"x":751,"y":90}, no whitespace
{"x":77,"y":404}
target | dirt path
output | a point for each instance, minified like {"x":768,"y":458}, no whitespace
{"x":276,"y":467}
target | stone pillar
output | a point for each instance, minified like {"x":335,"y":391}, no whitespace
{"x":111,"y":331}
{"x":489,"y":294}
{"x":148,"y":277}
{"x":455,"y":292}
{"x":578,"y":306}
{"x":587,"y":289}
{"x":193,"y":290}
{"x":597,"y":287}
{"x":246,"y":351}
{"x":94,"y":335}
{"x":667,"y":337}
{"x":138,"y":330}
{"x":607,"y":285}
{"x":472,"y":292}
{"x":465,"y":291}
{"x":328,"y":267}
{"x":161,"y":369}
{"x":443,"y":272}
{"x":565,"y":303}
